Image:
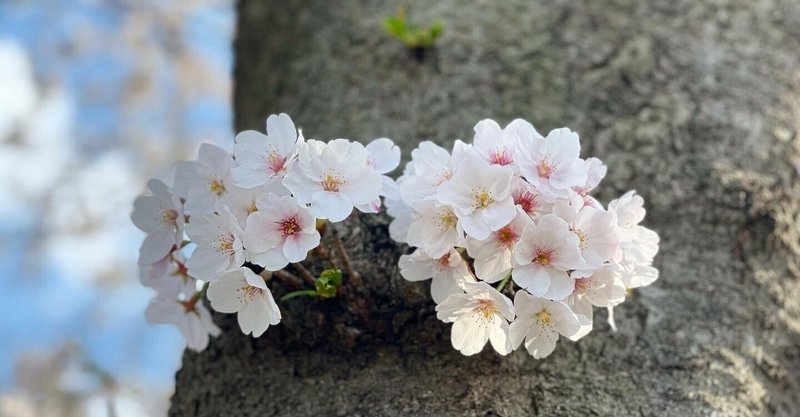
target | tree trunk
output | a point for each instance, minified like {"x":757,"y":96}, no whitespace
{"x":690,"y":103}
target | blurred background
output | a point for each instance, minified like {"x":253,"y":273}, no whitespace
{"x":96,"y":96}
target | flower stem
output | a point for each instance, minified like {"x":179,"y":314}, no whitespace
{"x":298,"y":293}
{"x":353,"y":275}
{"x":323,"y":254}
{"x":504,"y":282}
{"x":304,"y":272}
{"x":288,"y":278}
{"x":189,"y":304}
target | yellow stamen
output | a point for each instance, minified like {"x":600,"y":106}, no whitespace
{"x":331,"y":183}
{"x":544,"y":318}
{"x":584,"y":240}
{"x":542,"y":257}
{"x":487,"y":309}
{"x":217,"y":187}
{"x":482,"y":198}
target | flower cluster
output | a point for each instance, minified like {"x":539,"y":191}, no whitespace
{"x":515,"y":206}
{"x":229,"y":221}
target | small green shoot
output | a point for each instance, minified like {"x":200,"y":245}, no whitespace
{"x":326,"y":286}
{"x":412,"y":35}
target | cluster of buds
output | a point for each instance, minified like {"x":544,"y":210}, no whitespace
{"x":515,"y":207}
{"x":231,"y":223}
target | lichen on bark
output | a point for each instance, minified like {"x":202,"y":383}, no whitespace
{"x":690,"y":103}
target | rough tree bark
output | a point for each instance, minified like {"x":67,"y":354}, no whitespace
{"x":690,"y":103}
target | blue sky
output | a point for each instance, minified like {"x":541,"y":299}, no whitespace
{"x":43,"y":304}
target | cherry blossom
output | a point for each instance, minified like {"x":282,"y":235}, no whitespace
{"x":242,"y":201}
{"x":190,"y":316}
{"x":227,"y":217}
{"x":480,"y":195}
{"x":493,"y":255}
{"x":530,"y":200}
{"x":279,"y":232}
{"x":543,"y":257}
{"x":266,"y":158}
{"x":501,"y":146}
{"x":539,"y":323}
{"x":553,"y":165}
{"x":479,"y":315}
{"x":219,"y":245}
{"x":160,"y":215}
{"x":595,"y":229}
{"x":168,"y":276}
{"x":448,"y":272}
{"x":333,"y":178}
{"x":435,"y":229}
{"x":521,"y":206}
{"x":430,"y":166}
{"x":604,"y":288}
{"x":245,"y":293}
{"x":204,"y":181}
{"x":403,"y":217}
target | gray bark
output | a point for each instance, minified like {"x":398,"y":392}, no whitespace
{"x":693,"y":104}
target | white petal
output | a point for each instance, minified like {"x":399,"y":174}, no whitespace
{"x":225,"y":293}
{"x":561,"y":285}
{"x":443,"y":287}
{"x":364,"y":188}
{"x":385,"y":155}
{"x":498,"y":336}
{"x":499,"y":214}
{"x":475,"y":226}
{"x":296,"y":247}
{"x":156,"y":246}
{"x":331,"y":205}
{"x":271,"y":260}
{"x":543,"y":345}
{"x":533,"y":278}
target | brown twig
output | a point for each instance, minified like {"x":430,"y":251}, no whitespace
{"x":304,"y":272}
{"x":322,"y":253}
{"x":288,"y":278}
{"x":355,"y":277}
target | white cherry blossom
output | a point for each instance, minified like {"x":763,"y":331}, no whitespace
{"x":219,"y":245}
{"x":480,"y":194}
{"x":168,"y":276}
{"x":333,"y":178}
{"x":448,"y":272}
{"x":245,"y":293}
{"x":530,"y":200}
{"x":279,"y":232}
{"x":501,"y":146}
{"x":190,"y":316}
{"x":383,"y":156}
{"x":539,"y":323}
{"x":435,"y":229}
{"x":266,"y":158}
{"x":204,"y":181}
{"x":493,"y":254}
{"x":430,"y":166}
{"x":595,"y":228}
{"x":595,"y":173}
{"x":160,"y":215}
{"x":554,"y":166}
{"x":604,"y":288}
{"x":543,"y":257}
{"x":479,"y":315}
{"x":242,"y":201}
{"x":403,"y":217}
{"x":521,"y":205}
{"x":638,"y":244}
{"x":636,"y":275}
